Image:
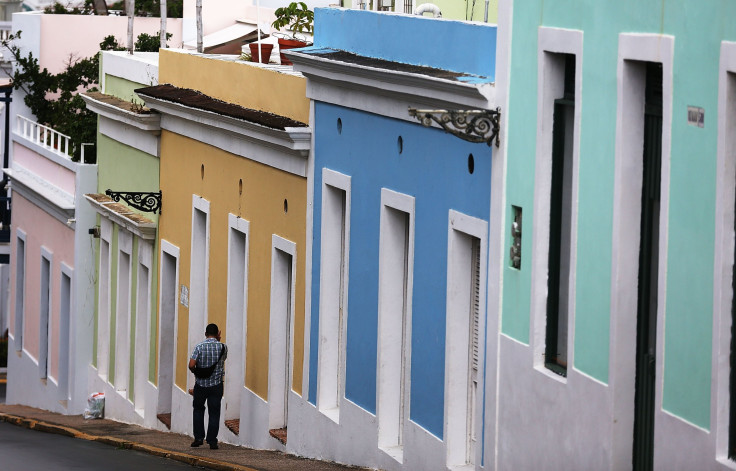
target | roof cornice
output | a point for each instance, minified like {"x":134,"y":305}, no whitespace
{"x":412,"y":87}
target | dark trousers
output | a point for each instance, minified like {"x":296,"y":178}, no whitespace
{"x":213,"y":397}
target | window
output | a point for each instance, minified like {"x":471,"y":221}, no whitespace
{"x":65,"y":309}
{"x":283,"y":268}
{"x":466,"y":272}
{"x":122,"y":313}
{"x":20,"y":284}
{"x":333,"y":291}
{"x":198,"y":277}
{"x":44,"y":313}
{"x":555,"y":352}
{"x":103,"y":301}
{"x":395,"y":274}
{"x":237,"y":320}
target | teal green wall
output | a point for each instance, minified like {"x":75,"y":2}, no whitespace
{"x":698,"y":31}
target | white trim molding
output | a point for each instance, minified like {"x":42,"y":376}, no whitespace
{"x":285,"y":150}
{"x":633,"y":51}
{"x":724,"y":252}
{"x":459,"y":425}
{"x":333,"y":298}
{"x":550,"y":86}
{"x":393,"y":369}
{"x":281,"y":333}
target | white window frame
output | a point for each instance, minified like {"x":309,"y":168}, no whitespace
{"x":65,"y":332}
{"x":237,"y":317}
{"x":104,"y":304}
{"x":625,"y":241}
{"x":198,"y":287}
{"x":123,"y":313}
{"x":550,"y":83}
{"x":276,"y":337}
{"x":333,"y":333}
{"x":386,"y":406}
{"x":20,"y":289}
{"x":165,"y":400}
{"x":44,"y":347}
{"x":457,"y":343}
{"x":724,"y":251}
{"x":142,"y":323}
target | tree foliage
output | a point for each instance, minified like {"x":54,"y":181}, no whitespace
{"x":53,"y":98}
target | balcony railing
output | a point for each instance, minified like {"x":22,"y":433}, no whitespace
{"x":6,"y":27}
{"x":44,"y":136}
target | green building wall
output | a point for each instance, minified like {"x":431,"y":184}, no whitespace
{"x":698,"y":31}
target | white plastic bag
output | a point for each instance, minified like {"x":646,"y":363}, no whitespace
{"x":95,"y":406}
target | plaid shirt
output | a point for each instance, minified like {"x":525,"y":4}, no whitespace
{"x":206,"y":354}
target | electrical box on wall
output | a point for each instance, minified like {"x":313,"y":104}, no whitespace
{"x":515,"y":252}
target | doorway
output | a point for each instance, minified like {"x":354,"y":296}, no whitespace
{"x":647,"y":299}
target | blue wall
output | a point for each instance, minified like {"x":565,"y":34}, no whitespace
{"x":433,"y":168}
{"x":444,"y":44}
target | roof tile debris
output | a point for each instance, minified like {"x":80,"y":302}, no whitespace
{"x":131,"y":106}
{"x":350,"y":58}
{"x":198,"y":100}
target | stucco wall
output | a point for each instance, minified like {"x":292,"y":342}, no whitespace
{"x":443,"y":44}
{"x":36,"y":224}
{"x":55,"y":53}
{"x":238,"y":82}
{"x":261,"y":203}
{"x":49,"y":171}
{"x":433,"y":168}
{"x":686,"y":300}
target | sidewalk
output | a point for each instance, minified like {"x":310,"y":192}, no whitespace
{"x":166,"y":444}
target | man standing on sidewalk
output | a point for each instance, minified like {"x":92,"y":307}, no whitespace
{"x":208,"y":387}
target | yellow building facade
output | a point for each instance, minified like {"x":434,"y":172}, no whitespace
{"x":232,"y":231}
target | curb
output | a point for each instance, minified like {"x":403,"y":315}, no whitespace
{"x":126,"y":444}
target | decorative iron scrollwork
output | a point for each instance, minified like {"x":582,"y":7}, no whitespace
{"x":143,"y":201}
{"x":469,"y":125}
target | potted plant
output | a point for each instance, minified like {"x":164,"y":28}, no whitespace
{"x":299,"y":19}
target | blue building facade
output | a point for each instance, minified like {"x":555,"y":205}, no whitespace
{"x":400,"y":241}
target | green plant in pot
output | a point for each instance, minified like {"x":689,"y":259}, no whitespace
{"x":299,"y":19}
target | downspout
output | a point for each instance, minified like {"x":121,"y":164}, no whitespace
{"x":485,"y":14}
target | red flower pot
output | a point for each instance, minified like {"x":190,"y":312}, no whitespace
{"x":288,"y":44}
{"x":265,"y":51}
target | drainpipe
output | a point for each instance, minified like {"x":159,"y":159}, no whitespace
{"x":163,"y":24}
{"x":198,"y":13}
{"x":130,"y":7}
{"x":485,"y":14}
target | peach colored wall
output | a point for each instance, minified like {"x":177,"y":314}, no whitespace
{"x":41,"y":230}
{"x":216,"y":14}
{"x":50,"y":171}
{"x":57,"y":42}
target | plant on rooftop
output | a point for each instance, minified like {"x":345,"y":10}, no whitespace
{"x":144,"y":43}
{"x":297,"y":17}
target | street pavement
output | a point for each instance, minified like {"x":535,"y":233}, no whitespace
{"x":153,"y":442}
{"x":23,"y":449}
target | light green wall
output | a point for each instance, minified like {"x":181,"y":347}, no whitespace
{"x":123,"y":168}
{"x":698,"y":31}
{"x":123,"y":88}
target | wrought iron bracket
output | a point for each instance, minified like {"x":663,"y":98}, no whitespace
{"x":469,"y":125}
{"x":143,"y":201}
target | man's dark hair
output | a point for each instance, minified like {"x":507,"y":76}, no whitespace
{"x":211,"y":330}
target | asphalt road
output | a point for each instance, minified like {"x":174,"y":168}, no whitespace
{"x":23,"y":449}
